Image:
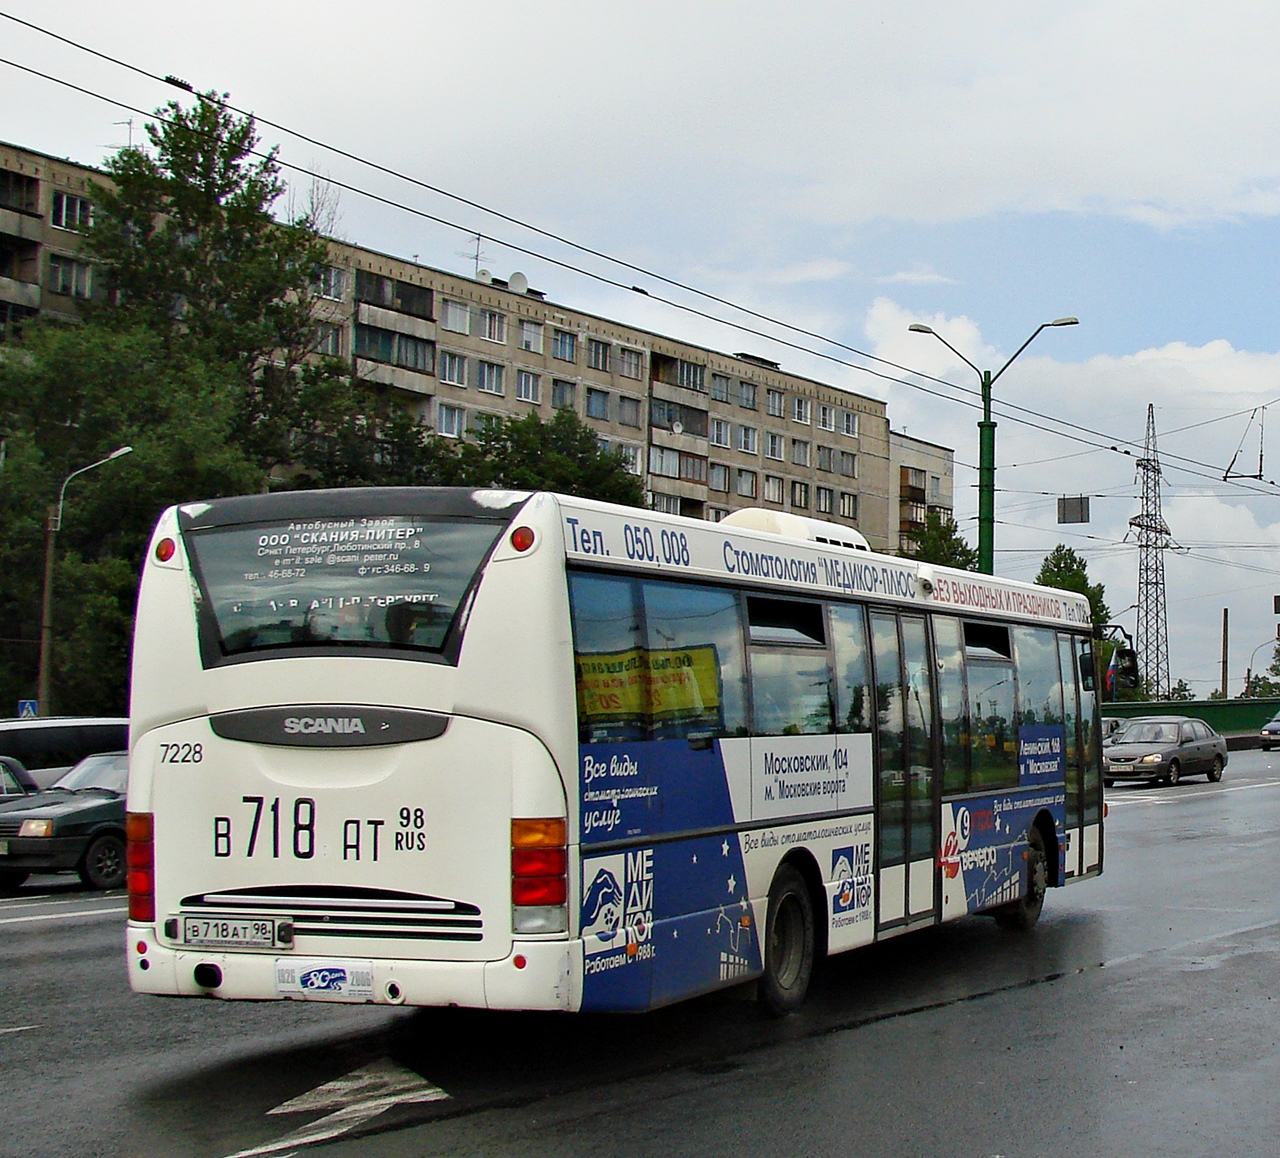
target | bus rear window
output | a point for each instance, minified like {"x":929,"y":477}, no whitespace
{"x":391,"y":581}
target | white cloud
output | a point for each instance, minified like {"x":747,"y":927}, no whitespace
{"x":920,"y":275}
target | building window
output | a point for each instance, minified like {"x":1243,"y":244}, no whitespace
{"x":799,"y":452}
{"x":823,"y":500}
{"x":719,"y":435}
{"x":717,"y":477}
{"x":772,"y":489}
{"x":664,"y":461}
{"x":484,"y":422}
{"x":850,"y":424}
{"x":691,"y":376}
{"x":826,"y":458}
{"x":800,"y":495}
{"x":748,"y":439}
{"x":531,"y":336}
{"x":747,"y":395}
{"x":71,"y":212}
{"x":331,"y":283}
{"x":665,"y":504}
{"x":848,"y":464}
{"x":775,"y":403}
{"x":826,"y":417}
{"x":329,"y":339}
{"x":564,"y":345}
{"x":630,"y":363}
{"x":453,"y":368}
{"x":597,"y":404}
{"x":450,"y":420}
{"x":489,"y":377}
{"x":773,"y":444}
{"x":668,"y":415}
{"x":848,"y":506}
{"x":800,"y":410}
{"x":598,"y":354}
{"x":493,"y":326}
{"x":935,"y":489}
{"x":693,"y":467}
{"x":528,"y":386}
{"x":746,"y":484}
{"x":720,"y":387}
{"x":414,"y":299}
{"x":398,"y":349}
{"x":630,"y":457}
{"x":455,"y":317}
{"x":628,"y":411}
{"x":67,"y":276}
{"x":716,"y":514}
{"x":562,"y":394}
{"x":372,"y":287}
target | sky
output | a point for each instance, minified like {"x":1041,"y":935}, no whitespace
{"x":843,"y":168}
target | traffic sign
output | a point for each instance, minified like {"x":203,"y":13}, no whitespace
{"x":28,"y":709}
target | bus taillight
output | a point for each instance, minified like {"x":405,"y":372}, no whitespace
{"x":539,"y":876}
{"x":140,"y":859}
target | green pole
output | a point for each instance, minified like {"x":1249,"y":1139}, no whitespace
{"x":986,"y":482}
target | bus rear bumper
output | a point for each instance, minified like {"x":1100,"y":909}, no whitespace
{"x":544,"y":975}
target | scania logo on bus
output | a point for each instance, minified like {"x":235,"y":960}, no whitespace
{"x":327,"y":725}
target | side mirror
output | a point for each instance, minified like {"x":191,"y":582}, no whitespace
{"x":1088,"y":678}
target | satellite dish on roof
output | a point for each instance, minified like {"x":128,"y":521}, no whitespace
{"x":518,"y":283}
{"x":677,"y":428}
{"x":483,"y":275}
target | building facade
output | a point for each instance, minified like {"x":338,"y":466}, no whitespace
{"x":708,"y":432}
{"x":923,"y":478}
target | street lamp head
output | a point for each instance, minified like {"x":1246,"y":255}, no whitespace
{"x":1065,"y":322}
{"x":919,"y":328}
{"x":118,"y":453}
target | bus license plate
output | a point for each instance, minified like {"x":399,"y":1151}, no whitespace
{"x":230,"y":932}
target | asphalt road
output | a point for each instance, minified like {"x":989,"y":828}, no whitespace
{"x":1141,"y":1015}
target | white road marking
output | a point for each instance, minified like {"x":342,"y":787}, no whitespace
{"x":353,"y":1099}
{"x":64,"y":916}
{"x":19,"y":1028}
{"x":1164,"y":801}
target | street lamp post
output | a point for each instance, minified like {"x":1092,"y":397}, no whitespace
{"x":53,"y":525}
{"x":987,"y":440}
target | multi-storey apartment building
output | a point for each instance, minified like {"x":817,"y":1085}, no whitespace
{"x":923,"y":484}
{"x":708,"y":432}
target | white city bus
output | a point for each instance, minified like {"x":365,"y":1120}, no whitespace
{"x":523,"y":751}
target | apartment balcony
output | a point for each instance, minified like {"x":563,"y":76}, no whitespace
{"x":385,"y":374}
{"x":20,"y":293}
{"x":384,"y":319}
{"x":20,"y":224}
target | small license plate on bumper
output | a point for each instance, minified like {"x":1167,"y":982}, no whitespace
{"x":215,"y":932}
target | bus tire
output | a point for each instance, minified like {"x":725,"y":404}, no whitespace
{"x":1021,"y":914}
{"x":103,"y":864}
{"x":789,"y":943}
{"x":12,"y":879}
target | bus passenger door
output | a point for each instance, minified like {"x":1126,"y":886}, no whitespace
{"x":906,"y":813}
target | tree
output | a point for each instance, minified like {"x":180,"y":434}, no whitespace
{"x":191,"y":249}
{"x":1067,"y":571}
{"x":1260,"y":686}
{"x":941,"y":542}
{"x":561,"y":455}
{"x":1181,"y":692}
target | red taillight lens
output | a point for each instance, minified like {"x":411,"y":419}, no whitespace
{"x":139,"y":832}
{"x":539,"y":890}
{"x":522,"y":538}
{"x":539,"y":862}
{"x":165,"y":550}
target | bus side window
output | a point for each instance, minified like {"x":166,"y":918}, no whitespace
{"x":952,"y":704}
{"x":853,"y":672}
{"x":610,"y":661}
{"x":697,"y":671}
{"x":990,"y":673}
{"x":1039,"y":682}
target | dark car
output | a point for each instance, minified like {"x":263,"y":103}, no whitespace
{"x":1269,"y":736}
{"x":77,"y":824}
{"x":1165,"y":748}
{"x":1112,"y":726}
{"x":15,"y":780}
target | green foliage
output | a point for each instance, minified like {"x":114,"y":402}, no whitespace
{"x":561,"y":455}
{"x":1181,"y":692}
{"x":1067,"y":571}
{"x":941,"y":542}
{"x":1264,"y":686}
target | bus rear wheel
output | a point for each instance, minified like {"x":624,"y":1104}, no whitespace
{"x":789,"y":943}
{"x":1025,"y":911}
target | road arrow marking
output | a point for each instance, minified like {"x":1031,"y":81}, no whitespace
{"x":353,"y":1100}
